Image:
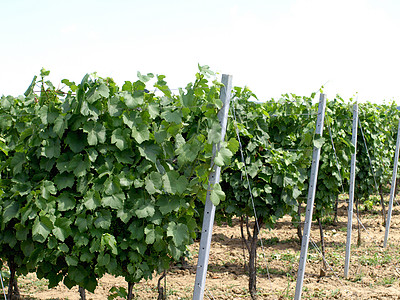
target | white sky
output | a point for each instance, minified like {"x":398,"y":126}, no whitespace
{"x":272,"y":46}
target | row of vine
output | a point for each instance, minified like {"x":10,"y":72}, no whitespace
{"x":101,"y":179}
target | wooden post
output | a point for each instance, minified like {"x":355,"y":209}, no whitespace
{"x":351,"y":191}
{"x":310,"y":199}
{"x":393,"y":187}
{"x":209,"y":210}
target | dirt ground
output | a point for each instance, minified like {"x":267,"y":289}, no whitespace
{"x":374,"y":271}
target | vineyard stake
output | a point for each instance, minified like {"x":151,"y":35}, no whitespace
{"x":393,"y":187}
{"x":209,"y":209}
{"x":310,"y":198}
{"x":351,"y":191}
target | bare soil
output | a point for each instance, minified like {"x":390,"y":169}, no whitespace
{"x":374,"y":271}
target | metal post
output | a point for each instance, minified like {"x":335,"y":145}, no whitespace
{"x":351,"y":191}
{"x":209,"y":210}
{"x":310,"y":199}
{"x":393,"y":187}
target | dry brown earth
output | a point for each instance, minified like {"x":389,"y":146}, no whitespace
{"x":374,"y":272}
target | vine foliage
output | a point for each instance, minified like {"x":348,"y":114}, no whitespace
{"x":101,"y":179}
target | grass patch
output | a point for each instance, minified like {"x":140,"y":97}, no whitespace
{"x":376,"y":259}
{"x":387,"y":281}
{"x":271,"y":241}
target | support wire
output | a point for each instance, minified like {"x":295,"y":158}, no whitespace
{"x":249,"y":186}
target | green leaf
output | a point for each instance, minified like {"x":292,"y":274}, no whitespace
{"x":64,"y":180}
{"x":172,"y":116}
{"x":21,"y":232}
{"x":119,"y":138}
{"x":62,"y":228}
{"x":161,"y":84}
{"x":48,"y":189}
{"x":318,"y":142}
{"x":174,"y":251}
{"x":22,"y":188}
{"x":216,"y":194}
{"x":87,"y":256}
{"x":173,"y":183}
{"x":63,"y":162}
{"x":205,"y":70}
{"x":71,"y":260}
{"x":65,"y":201}
{"x":4,"y":148}
{"x":29,"y":90}
{"x":44,"y":72}
{"x":129,"y":118}
{"x":168,"y":204}
{"x":76,"y":141}
{"x":150,"y":234}
{"x":115,"y":201}
{"x":26,"y":133}
{"x":233,"y":145}
{"x":81,"y":222}
{"x":92,"y":154}
{"x":188,"y":99}
{"x":124,"y":157}
{"x":43,"y":114}
{"x":62,"y":247}
{"x":92,"y":200}
{"x":111,"y":186}
{"x":108,"y":241}
{"x":96,"y":133}
{"x":133,"y":101}
{"x":103,"y":90}
{"x":149,"y":151}
{"x":11,"y":211}
{"x":59,"y":126}
{"x":214,"y":134}
{"x":140,"y":133}
{"x":144,"y":211}
{"x":78,"y":165}
{"x":188,"y":152}
{"x":70,"y":84}
{"x":17,"y":161}
{"x":153,"y":183}
{"x":51,"y":148}
{"x":296,"y":192}
{"x":153,"y":110}
{"x":41,"y":228}
{"x":179,"y":233}
{"x":27,"y":248}
{"x":127,"y":86}
{"x":103,"y":259}
{"x":145,"y":78}
{"x":223,"y":157}
{"x":115,"y":106}
{"x":102,"y":219}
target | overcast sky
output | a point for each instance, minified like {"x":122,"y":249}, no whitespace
{"x":272,"y":46}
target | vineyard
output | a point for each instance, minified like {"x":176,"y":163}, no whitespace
{"x":101,"y":182}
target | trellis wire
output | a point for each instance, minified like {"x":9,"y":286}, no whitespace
{"x":370,"y":161}
{"x":208,"y":291}
{"x":323,"y":257}
{"x":209,"y":209}
{"x":336,"y":158}
{"x":351,"y":190}
{"x":310,"y":200}
{"x":393,"y":187}
{"x":249,"y":185}
{"x":369,"y":157}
